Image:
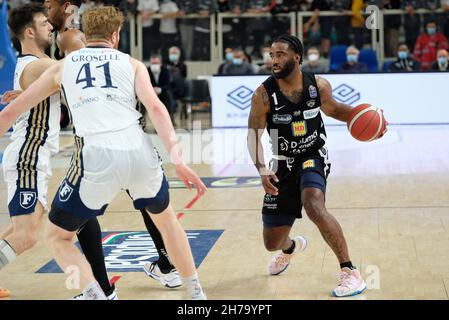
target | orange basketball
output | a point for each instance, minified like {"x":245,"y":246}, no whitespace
{"x":366,"y":122}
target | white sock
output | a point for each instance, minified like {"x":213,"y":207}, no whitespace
{"x":7,"y":253}
{"x":94,"y":292}
{"x":193,"y":286}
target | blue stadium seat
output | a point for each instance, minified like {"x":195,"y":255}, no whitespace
{"x":337,"y":56}
{"x":368,"y":56}
{"x":387,"y":64}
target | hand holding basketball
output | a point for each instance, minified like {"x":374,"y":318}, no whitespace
{"x":367,"y":122}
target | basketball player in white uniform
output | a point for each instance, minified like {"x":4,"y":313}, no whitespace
{"x":100,"y":84}
{"x":35,"y":137}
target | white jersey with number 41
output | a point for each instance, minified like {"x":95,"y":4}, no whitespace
{"x":98,"y":86}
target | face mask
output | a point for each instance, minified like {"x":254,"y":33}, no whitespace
{"x":266,"y":57}
{"x":237,"y":61}
{"x":431,"y":31}
{"x":229,"y":56}
{"x":173,"y":57}
{"x":442,"y":61}
{"x":352,"y":57}
{"x":156,"y":68}
{"x":402,"y":55}
{"x":312,"y":57}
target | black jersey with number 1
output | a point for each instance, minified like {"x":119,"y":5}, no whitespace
{"x":297,"y":128}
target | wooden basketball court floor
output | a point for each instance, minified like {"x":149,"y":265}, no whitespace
{"x":390,"y":196}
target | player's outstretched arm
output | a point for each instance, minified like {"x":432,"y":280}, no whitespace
{"x":47,"y":84}
{"x":161,"y":120}
{"x":329,"y":106}
{"x":31,"y":73}
{"x":257,"y":121}
{"x":70,"y":40}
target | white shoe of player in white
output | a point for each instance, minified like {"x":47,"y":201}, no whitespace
{"x":169,"y":280}
{"x":112,"y":296}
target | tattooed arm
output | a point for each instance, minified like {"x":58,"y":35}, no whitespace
{"x":329,"y":106}
{"x":260,"y":107}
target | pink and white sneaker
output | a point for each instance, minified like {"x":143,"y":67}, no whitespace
{"x":350,"y":283}
{"x":280,"y":261}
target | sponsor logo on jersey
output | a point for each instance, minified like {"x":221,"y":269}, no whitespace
{"x":310,"y":103}
{"x":279,"y":108}
{"x":312,"y":92}
{"x":289,"y":163}
{"x":308,"y":164}
{"x":27,"y":199}
{"x":282,"y":118}
{"x":299,"y":128}
{"x":309,"y":114}
{"x":65,"y":191}
{"x":118,"y":98}
{"x":297,"y":147}
{"x":83,"y":101}
{"x":129,"y":251}
{"x":297,"y":113}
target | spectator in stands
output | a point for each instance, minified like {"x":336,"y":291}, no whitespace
{"x":178,"y":72}
{"x":176,"y":62}
{"x":412,"y":21}
{"x":224,"y":7}
{"x":258,"y":26}
{"x":392,"y":25}
{"x":12,"y":4}
{"x":325,"y":24}
{"x":229,"y":55}
{"x":358,"y":22}
{"x":238,"y":36}
{"x":150,"y":29}
{"x":267,"y":61}
{"x":445,"y":8}
{"x":442,"y":63}
{"x":352,"y":65}
{"x":201,"y":49}
{"x":247,"y":58}
{"x":168,"y":31}
{"x":404,"y":62}
{"x":427,"y":45}
{"x":238,"y":66}
{"x":313,"y":63}
{"x":162,"y":83}
{"x":87,"y":4}
{"x":129,"y":9}
{"x":186,"y":26}
{"x":342,"y":22}
{"x":281,"y":24}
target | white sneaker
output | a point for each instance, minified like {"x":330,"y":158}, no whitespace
{"x":280,"y":261}
{"x":350,"y":283}
{"x":112,"y":296}
{"x":169,"y":280}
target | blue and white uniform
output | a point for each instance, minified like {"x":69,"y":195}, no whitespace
{"x":35,"y":138}
{"x":113,"y":152}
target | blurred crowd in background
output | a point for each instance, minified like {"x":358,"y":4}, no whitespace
{"x":178,"y":31}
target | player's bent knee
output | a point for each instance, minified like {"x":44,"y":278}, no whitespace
{"x":314,"y":208}
{"x":272,"y":245}
{"x":159,"y":203}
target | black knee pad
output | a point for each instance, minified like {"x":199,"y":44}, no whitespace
{"x":65,"y":220}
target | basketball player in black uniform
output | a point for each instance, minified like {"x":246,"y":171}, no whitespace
{"x":288,"y":104}
{"x":70,"y":38}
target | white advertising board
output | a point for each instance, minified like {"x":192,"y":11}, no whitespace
{"x":406,"y":98}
